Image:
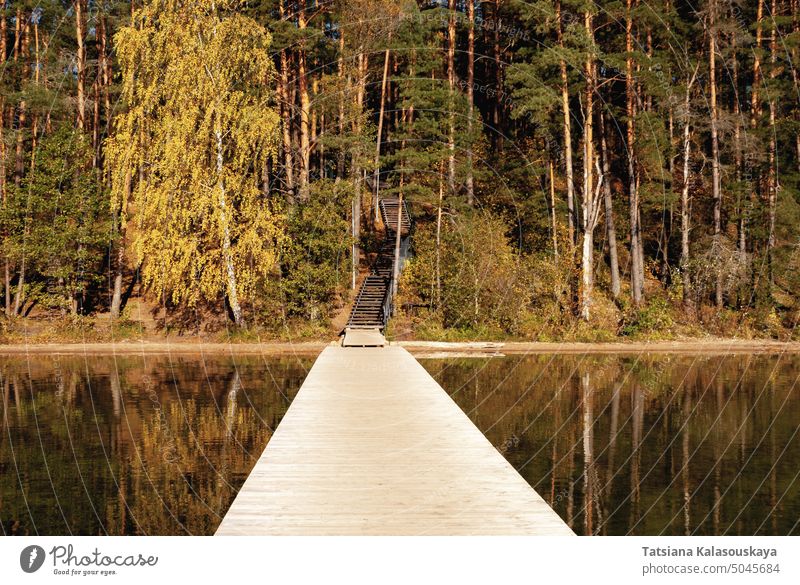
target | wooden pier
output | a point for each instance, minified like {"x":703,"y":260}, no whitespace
{"x":372,"y":445}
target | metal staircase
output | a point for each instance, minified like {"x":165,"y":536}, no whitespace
{"x":373,"y":305}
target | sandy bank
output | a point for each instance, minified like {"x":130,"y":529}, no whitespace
{"x":421,"y":348}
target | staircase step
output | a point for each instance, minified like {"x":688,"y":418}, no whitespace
{"x":369,"y":304}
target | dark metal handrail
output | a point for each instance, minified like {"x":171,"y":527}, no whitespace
{"x":388,"y":301}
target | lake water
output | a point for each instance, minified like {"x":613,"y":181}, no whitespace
{"x":616,"y":444}
{"x":134,"y":445}
{"x":646,"y":445}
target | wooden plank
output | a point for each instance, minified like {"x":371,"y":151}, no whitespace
{"x":363,"y":338}
{"x":372,"y":445}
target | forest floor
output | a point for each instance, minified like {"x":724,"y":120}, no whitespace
{"x":140,"y":331}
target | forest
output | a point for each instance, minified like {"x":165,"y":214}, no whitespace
{"x":575,"y":169}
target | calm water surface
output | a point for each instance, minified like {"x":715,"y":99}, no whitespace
{"x":134,"y":445}
{"x":645,"y":444}
{"x":616,"y":444}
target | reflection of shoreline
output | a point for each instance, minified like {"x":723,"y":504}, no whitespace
{"x":657,"y":444}
{"x":130,"y":446}
{"x":169,"y":452}
{"x":193,"y":348}
{"x":710,"y":347}
{"x":721,"y":346}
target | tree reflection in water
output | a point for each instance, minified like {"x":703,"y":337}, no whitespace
{"x":134,"y":445}
{"x":670,"y":444}
{"x":617,"y":444}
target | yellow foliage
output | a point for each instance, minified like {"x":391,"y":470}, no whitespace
{"x":186,"y":157}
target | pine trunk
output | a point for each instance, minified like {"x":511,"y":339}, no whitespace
{"x":3,"y":195}
{"x":439,"y":243}
{"x":340,"y":161}
{"x":19,"y":166}
{"x":737,"y":154}
{"x":553,"y":220}
{"x":286,"y":122}
{"x":572,"y":220}
{"x":80,"y":34}
{"x":716,"y":191}
{"x":685,"y":209}
{"x":497,"y":116}
{"x":774,"y":182}
{"x":470,"y":182}
{"x":611,"y":232}
{"x":361,"y":83}
{"x":637,"y":269}
{"x":451,"y":79}
{"x":376,"y":176}
{"x":305,"y":113}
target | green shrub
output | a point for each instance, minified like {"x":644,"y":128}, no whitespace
{"x":654,"y":319}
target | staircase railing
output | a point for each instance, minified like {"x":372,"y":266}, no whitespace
{"x":387,"y":305}
{"x":388,"y":301}
{"x":408,"y":215}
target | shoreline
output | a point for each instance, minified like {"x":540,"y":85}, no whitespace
{"x":425,"y":349}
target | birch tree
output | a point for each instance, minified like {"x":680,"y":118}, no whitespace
{"x":196,"y":72}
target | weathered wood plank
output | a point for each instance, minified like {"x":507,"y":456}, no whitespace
{"x":363,"y":338}
{"x":373,"y":445}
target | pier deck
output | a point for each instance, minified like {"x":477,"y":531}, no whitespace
{"x":372,"y":445}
